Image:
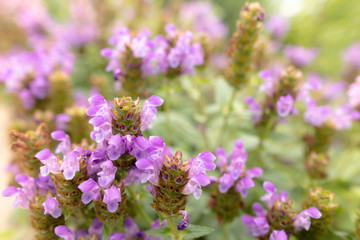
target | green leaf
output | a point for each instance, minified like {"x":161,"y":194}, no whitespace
{"x":196,"y":231}
{"x":159,"y":232}
{"x":107,"y":232}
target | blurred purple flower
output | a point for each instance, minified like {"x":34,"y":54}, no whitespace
{"x":300,"y":56}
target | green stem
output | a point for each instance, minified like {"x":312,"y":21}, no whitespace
{"x":225,"y":124}
{"x":226,"y":228}
{"x":167,"y":111}
{"x":173,"y":229}
{"x":138,"y":206}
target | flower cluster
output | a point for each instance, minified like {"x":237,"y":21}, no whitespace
{"x":135,"y":56}
{"x":280,"y":220}
{"x":281,"y":90}
{"x":300,"y":56}
{"x":201,"y":15}
{"x":233,"y":183}
{"x":28,"y":74}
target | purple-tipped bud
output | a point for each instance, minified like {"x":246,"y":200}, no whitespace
{"x":184,"y":223}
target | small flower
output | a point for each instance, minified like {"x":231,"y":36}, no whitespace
{"x":278,"y":235}
{"x":91,"y":191}
{"x":49,"y":160}
{"x":112,"y":197}
{"x":70,"y":165}
{"x":302,"y":220}
{"x":284,"y":105}
{"x":197,"y":174}
{"x":65,"y":233}
{"x":65,"y":145}
{"x":116,"y":147}
{"x":271,"y":197}
{"x":148,"y":112}
{"x":316,"y":115}
{"x":51,"y":206}
{"x":299,"y":55}
{"x":277,"y":26}
{"x":255,"y":109}
{"x":107,"y":175}
{"x":354,"y":93}
{"x":257,"y":226}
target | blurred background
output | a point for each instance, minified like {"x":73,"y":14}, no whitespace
{"x":329,"y":25}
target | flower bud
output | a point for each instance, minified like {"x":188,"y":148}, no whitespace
{"x":27,"y":145}
{"x":242,"y":45}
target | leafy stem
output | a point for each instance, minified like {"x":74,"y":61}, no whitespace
{"x":138,"y":206}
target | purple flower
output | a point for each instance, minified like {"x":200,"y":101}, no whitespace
{"x":116,"y":147}
{"x":44,"y":184}
{"x":96,"y":228}
{"x":197,"y":174}
{"x":133,"y":176}
{"x":51,"y":206}
{"x":70,"y":165}
{"x":257,"y":226}
{"x":23,"y":194}
{"x":117,"y":236}
{"x":148,"y":112}
{"x":102,"y":116}
{"x":65,"y":145}
{"x":343,"y":116}
{"x":107,"y":175}
{"x":314,"y":83}
{"x":202,"y":17}
{"x":259,"y":210}
{"x":271,"y":197}
{"x":151,"y":164}
{"x":232,"y":173}
{"x":184,"y":223}
{"x":246,"y":182}
{"x":354,"y":93}
{"x":255,"y":109}
{"x":222,"y":159}
{"x":299,"y":55}
{"x":237,"y":160}
{"x":90,"y":189}
{"x":112,"y":197}
{"x":316,"y":115}
{"x":285,"y":105}
{"x":351,"y":55}
{"x":270,"y":79}
{"x":65,"y":233}
{"x":302,"y":220}
{"x":277,"y":26}
{"x":61,"y":121}
{"x":49,"y":160}
{"x":226,"y":181}
{"x":278,"y":235}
